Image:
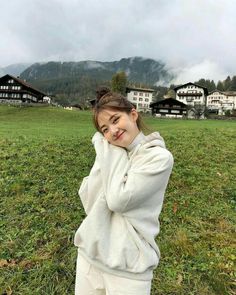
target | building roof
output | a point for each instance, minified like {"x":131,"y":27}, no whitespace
{"x":228,"y":93}
{"x":128,"y":89}
{"x":194,"y":84}
{"x":168,"y":100}
{"x":216,"y":90}
{"x":24,"y":83}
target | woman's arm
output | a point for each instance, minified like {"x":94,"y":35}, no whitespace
{"x":129,"y":184}
{"x":90,"y":187}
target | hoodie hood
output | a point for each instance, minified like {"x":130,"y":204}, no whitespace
{"x":153,"y":139}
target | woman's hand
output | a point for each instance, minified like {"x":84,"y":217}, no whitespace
{"x":97,"y":136}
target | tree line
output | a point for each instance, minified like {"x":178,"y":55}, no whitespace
{"x":229,"y":84}
{"x":80,"y":90}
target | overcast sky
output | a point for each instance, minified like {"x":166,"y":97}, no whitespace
{"x":194,"y":38}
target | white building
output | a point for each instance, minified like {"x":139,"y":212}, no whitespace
{"x":231,"y":95}
{"x":47,"y":99}
{"x":140,"y":98}
{"x":191,"y":94}
{"x":221,"y":101}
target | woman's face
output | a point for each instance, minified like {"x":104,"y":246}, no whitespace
{"x":119,"y":128}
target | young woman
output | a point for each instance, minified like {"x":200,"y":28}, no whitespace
{"x":122,"y":197}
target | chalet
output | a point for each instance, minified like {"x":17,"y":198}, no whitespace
{"x":169,"y":107}
{"x":191,"y":94}
{"x":141,"y":98}
{"x":16,"y":91}
{"x":221,"y":101}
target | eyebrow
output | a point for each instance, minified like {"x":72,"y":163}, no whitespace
{"x":109,"y":120}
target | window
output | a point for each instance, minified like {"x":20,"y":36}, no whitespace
{"x":140,"y":94}
{"x":163,"y":111}
{"x":11,"y":81}
{"x":4,"y":87}
{"x":146,"y":99}
{"x":16,"y":87}
{"x":16,"y":95}
{"x":147,"y":94}
{"x":140,"y":99}
{"x":134,"y":98}
{"x":135,"y":93}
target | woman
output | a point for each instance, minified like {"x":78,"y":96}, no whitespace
{"x":122,"y":197}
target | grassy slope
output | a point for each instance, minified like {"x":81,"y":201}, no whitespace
{"x":45,"y":153}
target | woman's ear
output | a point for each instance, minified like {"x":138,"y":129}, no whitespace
{"x":134,"y":114}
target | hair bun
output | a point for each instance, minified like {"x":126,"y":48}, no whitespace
{"x":101,"y":91}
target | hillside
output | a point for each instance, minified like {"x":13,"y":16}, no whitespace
{"x":76,"y":81}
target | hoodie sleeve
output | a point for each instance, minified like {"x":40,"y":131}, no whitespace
{"x":129,"y":185}
{"x":90,"y":187}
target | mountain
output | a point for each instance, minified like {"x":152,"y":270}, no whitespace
{"x":14,"y":69}
{"x":77,"y":80}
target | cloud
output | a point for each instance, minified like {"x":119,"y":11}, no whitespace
{"x":185,"y":34}
{"x":192,"y":73}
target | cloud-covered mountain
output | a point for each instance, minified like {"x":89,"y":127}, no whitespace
{"x":14,"y":69}
{"x":77,"y":81}
{"x":138,"y":70}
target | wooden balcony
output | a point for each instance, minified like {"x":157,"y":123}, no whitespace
{"x":190,"y":94}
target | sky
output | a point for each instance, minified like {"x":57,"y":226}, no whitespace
{"x":194,"y":38}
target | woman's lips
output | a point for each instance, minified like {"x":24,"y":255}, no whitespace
{"x":120,"y":135}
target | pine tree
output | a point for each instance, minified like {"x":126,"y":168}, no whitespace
{"x":220,"y":86}
{"x":213,"y":85}
{"x":119,"y":82}
{"x":233,"y":84}
{"x":227,"y":83}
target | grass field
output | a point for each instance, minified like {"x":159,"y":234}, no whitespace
{"x":45,"y":153}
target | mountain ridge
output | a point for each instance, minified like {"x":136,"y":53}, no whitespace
{"x":76,"y":82}
{"x":137,"y":69}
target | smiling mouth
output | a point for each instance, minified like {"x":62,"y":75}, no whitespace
{"x":119,"y":135}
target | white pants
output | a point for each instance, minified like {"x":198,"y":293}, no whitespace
{"x":92,"y":281}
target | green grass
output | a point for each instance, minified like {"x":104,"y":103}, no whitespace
{"x":45,"y":153}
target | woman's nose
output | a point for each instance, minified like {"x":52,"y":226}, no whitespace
{"x":113,"y":129}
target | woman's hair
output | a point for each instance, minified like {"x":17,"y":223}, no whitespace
{"x":108,"y":100}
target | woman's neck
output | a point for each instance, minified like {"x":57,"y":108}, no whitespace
{"x":138,"y":139}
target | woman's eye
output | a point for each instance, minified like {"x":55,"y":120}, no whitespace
{"x":104,"y":130}
{"x":116,"y":120}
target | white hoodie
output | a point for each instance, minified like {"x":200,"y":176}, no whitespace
{"x":123,"y":197}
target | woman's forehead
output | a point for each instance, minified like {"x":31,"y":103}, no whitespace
{"x":105,"y":115}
